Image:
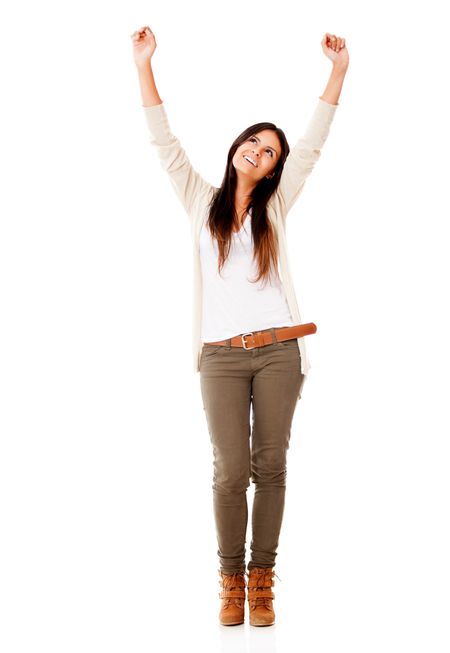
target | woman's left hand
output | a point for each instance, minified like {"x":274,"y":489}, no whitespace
{"x":335,"y":49}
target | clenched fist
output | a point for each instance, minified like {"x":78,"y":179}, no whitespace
{"x":335,"y":49}
{"x":144,"y":45}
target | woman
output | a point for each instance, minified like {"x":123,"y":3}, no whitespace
{"x":248,"y":340}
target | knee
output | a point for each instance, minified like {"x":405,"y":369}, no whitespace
{"x":230,"y":481}
{"x":274,"y":480}
{"x":269,"y":472}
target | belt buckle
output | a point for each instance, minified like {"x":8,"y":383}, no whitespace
{"x":250,"y":333}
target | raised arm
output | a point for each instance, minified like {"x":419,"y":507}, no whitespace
{"x":186,"y":181}
{"x":306,"y":152}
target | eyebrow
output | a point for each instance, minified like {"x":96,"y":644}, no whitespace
{"x":268,"y":146}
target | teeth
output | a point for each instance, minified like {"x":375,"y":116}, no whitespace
{"x":249,"y":159}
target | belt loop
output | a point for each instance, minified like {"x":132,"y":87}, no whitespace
{"x":228,"y":345}
{"x":274,"y":337}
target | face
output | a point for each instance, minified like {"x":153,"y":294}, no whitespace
{"x":264,"y":149}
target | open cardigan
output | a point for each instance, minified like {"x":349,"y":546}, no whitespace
{"x":195,"y":194}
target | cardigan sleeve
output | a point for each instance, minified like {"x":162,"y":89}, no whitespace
{"x":304,"y":155}
{"x":186,"y":181}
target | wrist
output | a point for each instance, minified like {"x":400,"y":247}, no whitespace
{"x":339,"y":68}
{"x":143,"y":65}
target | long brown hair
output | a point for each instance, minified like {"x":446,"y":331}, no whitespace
{"x":222,"y":209}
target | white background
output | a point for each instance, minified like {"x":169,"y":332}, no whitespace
{"x":108,"y":540}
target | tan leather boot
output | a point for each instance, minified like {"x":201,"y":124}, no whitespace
{"x":260,"y":595}
{"x":233,"y":598}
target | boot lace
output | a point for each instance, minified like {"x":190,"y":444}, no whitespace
{"x":232,"y":581}
{"x":263,"y":581}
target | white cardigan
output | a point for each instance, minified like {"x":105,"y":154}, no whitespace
{"x":195,"y":194}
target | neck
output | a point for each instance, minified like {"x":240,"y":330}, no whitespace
{"x":243,"y":194}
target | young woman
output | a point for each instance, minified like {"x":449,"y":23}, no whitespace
{"x":248,"y":340}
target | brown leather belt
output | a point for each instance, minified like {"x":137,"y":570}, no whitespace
{"x":262,"y":338}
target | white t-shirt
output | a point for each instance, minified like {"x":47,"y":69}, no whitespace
{"x":231,"y":303}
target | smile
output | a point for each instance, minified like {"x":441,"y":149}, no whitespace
{"x":247,"y":158}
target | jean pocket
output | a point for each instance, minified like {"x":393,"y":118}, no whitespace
{"x":210,"y":350}
{"x":292,"y":342}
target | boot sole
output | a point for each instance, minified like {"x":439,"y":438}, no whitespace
{"x":258,"y":625}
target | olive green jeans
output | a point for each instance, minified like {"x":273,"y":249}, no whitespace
{"x":233,"y":381}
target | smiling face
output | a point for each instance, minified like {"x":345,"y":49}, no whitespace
{"x":258,"y":155}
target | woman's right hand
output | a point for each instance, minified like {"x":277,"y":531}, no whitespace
{"x":144,"y":45}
